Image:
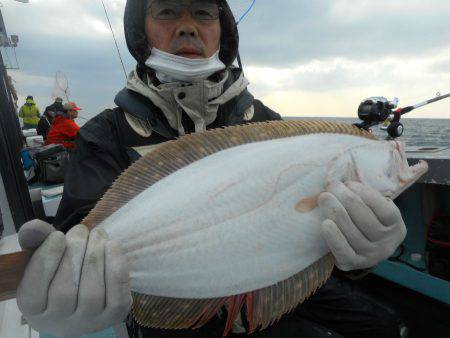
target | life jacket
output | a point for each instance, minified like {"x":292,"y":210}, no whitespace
{"x":63,"y":131}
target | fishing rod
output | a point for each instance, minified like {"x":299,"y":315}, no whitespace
{"x":376,"y":110}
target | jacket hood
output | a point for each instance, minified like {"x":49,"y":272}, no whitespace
{"x":134,"y":25}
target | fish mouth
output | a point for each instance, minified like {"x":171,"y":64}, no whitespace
{"x":415,"y":173}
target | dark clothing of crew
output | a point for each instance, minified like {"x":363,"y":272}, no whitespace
{"x":55,"y":108}
{"x":43,"y":126}
{"x":105,"y":148}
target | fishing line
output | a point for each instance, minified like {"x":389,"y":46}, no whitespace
{"x":114,"y":38}
{"x":243,"y":16}
{"x":246,"y":12}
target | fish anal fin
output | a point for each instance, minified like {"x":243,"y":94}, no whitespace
{"x":263,"y":307}
{"x":249,"y":301}
{"x":234,"y":307}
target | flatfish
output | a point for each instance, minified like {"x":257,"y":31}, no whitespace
{"x":228,"y":218}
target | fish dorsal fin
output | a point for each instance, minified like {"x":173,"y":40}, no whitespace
{"x":171,"y":156}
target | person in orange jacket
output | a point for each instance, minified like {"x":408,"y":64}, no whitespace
{"x":64,"y":130}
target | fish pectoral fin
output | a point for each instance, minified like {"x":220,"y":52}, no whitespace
{"x":307,"y":204}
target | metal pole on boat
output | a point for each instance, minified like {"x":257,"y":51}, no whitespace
{"x":11,"y":172}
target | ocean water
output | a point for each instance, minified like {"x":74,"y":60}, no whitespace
{"x":418,"y":132}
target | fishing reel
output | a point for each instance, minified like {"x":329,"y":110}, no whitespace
{"x":377,"y":110}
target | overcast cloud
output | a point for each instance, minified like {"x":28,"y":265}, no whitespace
{"x":303,"y":57}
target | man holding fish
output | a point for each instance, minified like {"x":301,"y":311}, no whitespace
{"x":185,"y":83}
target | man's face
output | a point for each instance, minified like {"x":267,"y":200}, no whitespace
{"x":73,"y":114}
{"x":184,"y":35}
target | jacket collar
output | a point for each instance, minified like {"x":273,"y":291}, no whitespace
{"x":144,"y":109}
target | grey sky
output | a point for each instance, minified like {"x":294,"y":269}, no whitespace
{"x":305,"y":30}
{"x":302,"y":57}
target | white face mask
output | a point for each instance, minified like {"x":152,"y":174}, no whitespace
{"x":173,"y":68}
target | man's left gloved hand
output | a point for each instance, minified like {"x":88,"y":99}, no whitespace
{"x":362,"y":227}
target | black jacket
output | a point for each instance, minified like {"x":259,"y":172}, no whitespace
{"x":104,"y":148}
{"x":45,"y":123}
{"x":54,"y":107}
{"x":43,"y":126}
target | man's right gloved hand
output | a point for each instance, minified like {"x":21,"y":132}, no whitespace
{"x":74,"y":284}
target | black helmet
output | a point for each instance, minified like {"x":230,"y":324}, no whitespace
{"x":134,"y":22}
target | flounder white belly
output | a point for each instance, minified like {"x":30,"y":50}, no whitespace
{"x":229,"y":217}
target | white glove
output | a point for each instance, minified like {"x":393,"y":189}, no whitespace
{"x":362,"y":228}
{"x":74,"y":284}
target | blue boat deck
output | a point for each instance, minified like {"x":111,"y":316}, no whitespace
{"x":418,"y":205}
